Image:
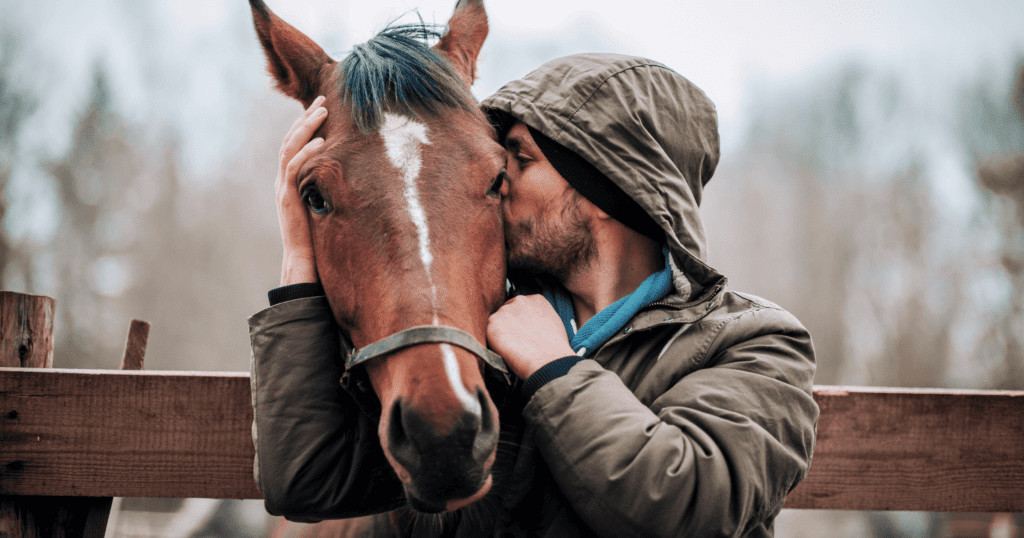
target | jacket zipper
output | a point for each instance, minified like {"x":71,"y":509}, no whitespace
{"x":672,"y":306}
{"x":681,"y":307}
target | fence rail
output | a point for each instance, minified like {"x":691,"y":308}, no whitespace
{"x":102,"y":433}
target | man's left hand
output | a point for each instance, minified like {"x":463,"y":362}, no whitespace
{"x":527,"y":333}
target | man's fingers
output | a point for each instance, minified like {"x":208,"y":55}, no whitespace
{"x":303,"y":131}
{"x":310,"y":123}
{"x":295,"y":125}
{"x":303,"y":128}
{"x":300,"y":159}
{"x":306,"y":114}
{"x":298,"y":264}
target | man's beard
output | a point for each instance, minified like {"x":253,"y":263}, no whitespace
{"x":557,"y":247}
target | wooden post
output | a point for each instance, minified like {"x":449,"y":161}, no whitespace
{"x":135,"y":347}
{"x":133,"y":359}
{"x":26,"y":330}
{"x":26,"y":341}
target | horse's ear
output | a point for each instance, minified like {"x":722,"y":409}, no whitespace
{"x":293,"y":59}
{"x":467,"y":30}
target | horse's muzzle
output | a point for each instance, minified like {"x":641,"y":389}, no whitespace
{"x":442,"y":467}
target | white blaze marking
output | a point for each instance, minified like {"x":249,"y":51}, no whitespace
{"x":451,"y":367}
{"x":402,"y":140}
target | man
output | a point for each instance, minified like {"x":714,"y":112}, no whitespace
{"x":656,"y":401}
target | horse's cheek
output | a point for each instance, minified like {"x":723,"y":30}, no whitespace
{"x":341,"y":258}
{"x":323,"y":246}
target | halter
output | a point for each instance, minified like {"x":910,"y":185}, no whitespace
{"x":427,"y":334}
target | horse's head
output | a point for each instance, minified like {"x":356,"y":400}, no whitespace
{"x":404,"y":210}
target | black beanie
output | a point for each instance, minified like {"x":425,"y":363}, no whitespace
{"x":596,"y":187}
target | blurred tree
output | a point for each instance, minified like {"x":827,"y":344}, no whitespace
{"x":133,"y":241}
{"x":16,"y":104}
{"x":90,"y":181}
{"x":855,"y":195}
{"x":1003,"y":175}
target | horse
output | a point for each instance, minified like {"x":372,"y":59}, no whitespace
{"x":405,"y":214}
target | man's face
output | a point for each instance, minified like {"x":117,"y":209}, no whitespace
{"x":546,"y":227}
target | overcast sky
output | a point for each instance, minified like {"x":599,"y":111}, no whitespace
{"x":723,"y":46}
{"x":186,"y":62}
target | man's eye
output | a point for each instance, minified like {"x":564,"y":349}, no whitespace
{"x":315,"y":201}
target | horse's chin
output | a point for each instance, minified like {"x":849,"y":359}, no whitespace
{"x":435,"y":506}
{"x":453,"y":505}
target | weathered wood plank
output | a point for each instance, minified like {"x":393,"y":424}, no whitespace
{"x":125,"y":434}
{"x":905,"y":449}
{"x":180,"y":434}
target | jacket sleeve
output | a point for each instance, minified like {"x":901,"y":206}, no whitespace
{"x":714,"y":455}
{"x":317,"y":456}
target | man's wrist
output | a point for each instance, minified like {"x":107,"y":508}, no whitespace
{"x":295,"y":291}
{"x":548,"y":373}
{"x":298,"y":270}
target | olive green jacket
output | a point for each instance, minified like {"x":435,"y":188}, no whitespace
{"x":696,"y":419}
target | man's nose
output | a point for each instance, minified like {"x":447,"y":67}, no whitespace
{"x":505,"y":185}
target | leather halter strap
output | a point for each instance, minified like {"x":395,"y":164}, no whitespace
{"x":427,"y":334}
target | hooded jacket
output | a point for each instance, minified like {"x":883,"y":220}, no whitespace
{"x":695,"y":419}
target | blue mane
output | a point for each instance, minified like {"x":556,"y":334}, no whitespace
{"x":397,"y":72}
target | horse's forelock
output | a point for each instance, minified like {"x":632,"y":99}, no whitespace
{"x":397,"y":72}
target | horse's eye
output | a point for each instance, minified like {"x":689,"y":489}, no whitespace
{"x":495,"y":190}
{"x":316,"y":201}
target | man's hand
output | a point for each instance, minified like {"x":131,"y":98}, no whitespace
{"x":528,"y":334}
{"x":298,"y":265}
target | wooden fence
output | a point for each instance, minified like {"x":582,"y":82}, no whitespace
{"x":71,"y":440}
{"x":79,"y":437}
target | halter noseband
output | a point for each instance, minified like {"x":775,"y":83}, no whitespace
{"x":427,"y":334}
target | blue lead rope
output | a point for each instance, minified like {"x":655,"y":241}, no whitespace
{"x":607,"y":322}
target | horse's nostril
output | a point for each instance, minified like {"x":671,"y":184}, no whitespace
{"x":486,"y":422}
{"x":396,"y":430}
{"x":487,"y":436}
{"x":408,"y":429}
{"x":400,"y":438}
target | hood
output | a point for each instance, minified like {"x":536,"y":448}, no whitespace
{"x":648,"y":129}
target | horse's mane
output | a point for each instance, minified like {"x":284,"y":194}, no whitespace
{"x":397,"y":72}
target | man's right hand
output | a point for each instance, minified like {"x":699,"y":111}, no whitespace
{"x":299,"y":264}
